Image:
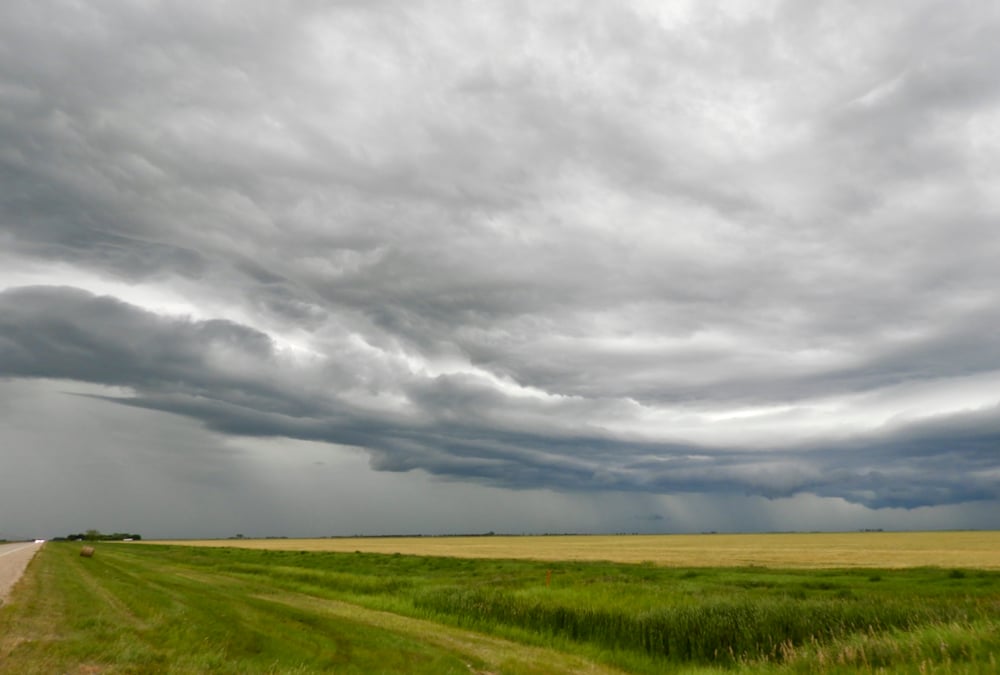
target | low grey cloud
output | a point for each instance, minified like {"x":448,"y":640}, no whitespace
{"x":746,"y":249}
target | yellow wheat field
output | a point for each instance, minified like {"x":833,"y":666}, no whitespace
{"x":806,"y":550}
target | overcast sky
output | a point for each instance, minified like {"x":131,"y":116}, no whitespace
{"x":312,"y":268}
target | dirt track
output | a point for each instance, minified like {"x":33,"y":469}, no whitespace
{"x":13,"y":559}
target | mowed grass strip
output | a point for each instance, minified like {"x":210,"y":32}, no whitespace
{"x":123,"y":613}
{"x":971,"y":549}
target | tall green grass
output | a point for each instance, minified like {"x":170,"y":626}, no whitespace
{"x":716,"y":631}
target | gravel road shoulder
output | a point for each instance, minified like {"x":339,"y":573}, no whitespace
{"x":14,"y":558}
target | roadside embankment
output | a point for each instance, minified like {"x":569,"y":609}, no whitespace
{"x":14,"y":558}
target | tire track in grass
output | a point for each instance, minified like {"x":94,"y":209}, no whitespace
{"x":497,"y":654}
{"x":484,"y":654}
{"x":491,"y":655}
{"x":494,"y":655}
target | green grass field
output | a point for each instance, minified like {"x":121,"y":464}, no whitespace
{"x":177,"y":609}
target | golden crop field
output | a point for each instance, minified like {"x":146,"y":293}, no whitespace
{"x":968,"y":549}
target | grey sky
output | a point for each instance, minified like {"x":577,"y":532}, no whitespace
{"x":327,"y":268}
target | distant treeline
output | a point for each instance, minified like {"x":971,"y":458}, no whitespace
{"x":96,"y":535}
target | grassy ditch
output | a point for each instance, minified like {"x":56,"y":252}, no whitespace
{"x":182,"y":609}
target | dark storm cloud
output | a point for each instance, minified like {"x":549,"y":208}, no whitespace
{"x":222,"y":374}
{"x":643,"y":247}
{"x":67,"y":333}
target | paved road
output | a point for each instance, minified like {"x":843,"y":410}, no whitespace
{"x":13,"y":559}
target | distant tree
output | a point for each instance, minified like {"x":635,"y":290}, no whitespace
{"x":97,"y":535}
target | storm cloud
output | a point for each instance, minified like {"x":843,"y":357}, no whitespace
{"x":627,"y":249}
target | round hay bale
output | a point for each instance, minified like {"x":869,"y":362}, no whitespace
{"x":87,"y":551}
